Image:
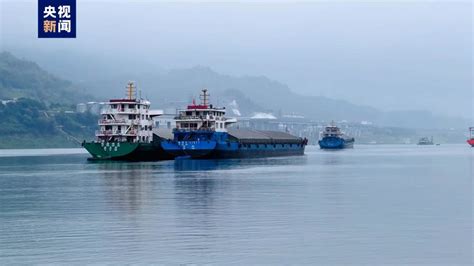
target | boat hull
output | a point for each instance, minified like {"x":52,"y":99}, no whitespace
{"x":127,"y":151}
{"x":255,"y":153}
{"x":232,"y":150}
{"x":191,"y":149}
{"x":471,"y":142}
{"x":234,"y":144}
{"x":336,"y":143}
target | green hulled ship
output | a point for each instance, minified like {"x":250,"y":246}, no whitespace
{"x":126,"y":131}
{"x":127,"y":151}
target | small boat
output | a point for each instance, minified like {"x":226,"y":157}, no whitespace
{"x":470,"y":141}
{"x":332,"y":138}
{"x":426,"y":141}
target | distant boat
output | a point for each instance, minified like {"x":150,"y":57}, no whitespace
{"x":333,"y":139}
{"x":426,"y":141}
{"x":471,"y":137}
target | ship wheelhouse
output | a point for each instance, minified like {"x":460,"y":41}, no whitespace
{"x":202,"y":117}
{"x":126,"y":120}
{"x":331,"y":131}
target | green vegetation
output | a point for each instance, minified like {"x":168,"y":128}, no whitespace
{"x":29,"y":123}
{"x":40,"y":111}
{"x":37,"y":108}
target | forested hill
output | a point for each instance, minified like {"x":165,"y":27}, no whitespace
{"x":27,"y":123}
{"x":106,"y":78}
{"x":24,"y":79}
{"x":37,"y":108}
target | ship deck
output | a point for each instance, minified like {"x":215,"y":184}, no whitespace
{"x":262,"y":136}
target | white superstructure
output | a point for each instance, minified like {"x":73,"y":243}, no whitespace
{"x":203,"y":116}
{"x":126,"y":120}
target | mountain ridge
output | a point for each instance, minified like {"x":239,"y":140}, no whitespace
{"x":252,"y":93}
{"x":20,"y":78}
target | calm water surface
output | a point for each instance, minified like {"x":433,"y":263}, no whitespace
{"x":368,"y":205}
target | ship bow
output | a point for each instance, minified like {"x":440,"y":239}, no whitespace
{"x":110,"y":150}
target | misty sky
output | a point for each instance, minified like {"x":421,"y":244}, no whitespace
{"x":398,"y":55}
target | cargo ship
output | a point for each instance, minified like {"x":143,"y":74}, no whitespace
{"x":202,"y":133}
{"x":126,"y":131}
{"x":470,"y":141}
{"x":425,"y":141}
{"x":332,"y":138}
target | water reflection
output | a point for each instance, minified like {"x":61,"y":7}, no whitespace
{"x":228,"y":164}
{"x":197,"y":195}
{"x":127,"y":185}
{"x":324,"y":208}
{"x":196,"y":186}
{"x":198,"y":165}
{"x":200,"y":183}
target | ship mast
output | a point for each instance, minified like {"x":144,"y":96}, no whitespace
{"x":204,"y":97}
{"x":131,"y":93}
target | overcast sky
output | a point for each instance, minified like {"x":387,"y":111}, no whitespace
{"x":396,"y":55}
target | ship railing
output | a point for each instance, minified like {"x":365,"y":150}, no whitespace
{"x":116,"y":121}
{"x":115,"y":133}
{"x":193,"y":130}
{"x":119,"y":111}
{"x":119,"y":121}
{"x":218,"y":118}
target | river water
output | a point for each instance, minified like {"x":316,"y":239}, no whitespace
{"x":375,"y":204}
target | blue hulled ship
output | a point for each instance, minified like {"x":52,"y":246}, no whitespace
{"x":201,"y":132}
{"x":333,"y":139}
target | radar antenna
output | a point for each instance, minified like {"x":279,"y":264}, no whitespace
{"x":204,"y":97}
{"x":131,"y":92}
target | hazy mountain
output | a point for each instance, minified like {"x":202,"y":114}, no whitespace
{"x":260,"y":94}
{"x":177,"y":87}
{"x":21,"y":78}
{"x":40,"y":114}
{"x":391,"y":55}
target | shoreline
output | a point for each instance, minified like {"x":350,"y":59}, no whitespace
{"x":41,"y":152}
